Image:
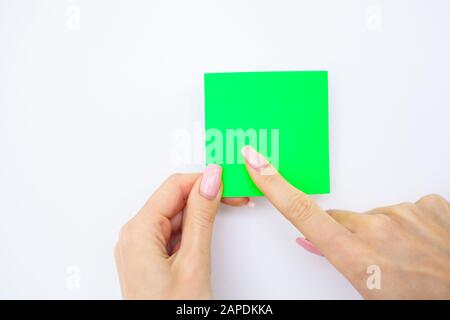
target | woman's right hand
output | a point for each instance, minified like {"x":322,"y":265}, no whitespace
{"x":395,"y":252}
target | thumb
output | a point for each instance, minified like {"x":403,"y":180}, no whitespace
{"x":303,"y":212}
{"x":200,"y":212}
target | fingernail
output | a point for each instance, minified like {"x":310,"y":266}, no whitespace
{"x":254,"y":159}
{"x":211,"y":179}
{"x":308,"y":246}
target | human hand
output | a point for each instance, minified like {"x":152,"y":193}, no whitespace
{"x":408,"y":245}
{"x":164,"y":251}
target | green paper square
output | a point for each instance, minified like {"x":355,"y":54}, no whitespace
{"x":292,"y":104}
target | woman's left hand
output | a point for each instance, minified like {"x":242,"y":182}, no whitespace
{"x":164,"y":251}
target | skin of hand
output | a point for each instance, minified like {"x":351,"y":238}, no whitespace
{"x":164,"y":251}
{"x":407,"y":245}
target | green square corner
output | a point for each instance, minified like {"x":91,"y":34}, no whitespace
{"x":293,"y":102}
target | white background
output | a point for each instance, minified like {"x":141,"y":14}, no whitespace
{"x":91,"y":92}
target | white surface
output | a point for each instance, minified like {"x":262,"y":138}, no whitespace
{"x":87,"y":112}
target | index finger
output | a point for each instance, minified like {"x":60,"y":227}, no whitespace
{"x":304,"y":213}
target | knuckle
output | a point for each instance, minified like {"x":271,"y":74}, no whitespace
{"x":403,"y":210}
{"x":380,"y":223}
{"x":432,"y":198}
{"x":124,"y":236}
{"x":299,"y":208}
{"x":127,"y":235}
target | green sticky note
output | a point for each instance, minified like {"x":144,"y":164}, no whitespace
{"x":283,"y":115}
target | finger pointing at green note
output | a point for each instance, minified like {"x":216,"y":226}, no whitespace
{"x":381,"y":252}
{"x":315,"y":224}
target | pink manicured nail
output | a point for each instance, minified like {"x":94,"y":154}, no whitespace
{"x":307,"y":245}
{"x":211,"y":180}
{"x":254,"y":159}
